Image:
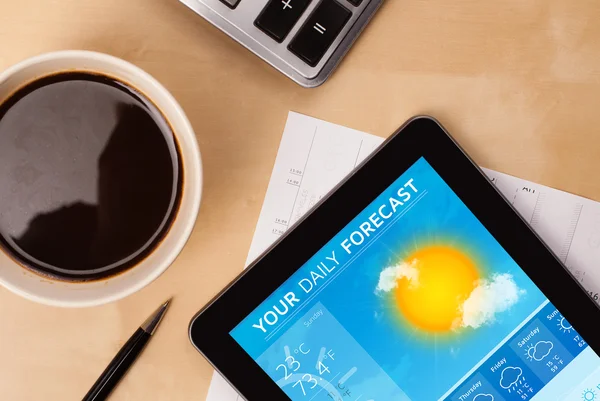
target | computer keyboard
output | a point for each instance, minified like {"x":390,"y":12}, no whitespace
{"x":304,"y":39}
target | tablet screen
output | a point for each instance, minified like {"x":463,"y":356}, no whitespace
{"x":415,"y":300}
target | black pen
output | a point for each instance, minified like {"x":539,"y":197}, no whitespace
{"x":125,"y":357}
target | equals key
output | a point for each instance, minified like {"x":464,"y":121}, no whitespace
{"x":320,"y":31}
{"x":320,"y":28}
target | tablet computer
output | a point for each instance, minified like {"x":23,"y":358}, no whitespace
{"x":414,"y":279}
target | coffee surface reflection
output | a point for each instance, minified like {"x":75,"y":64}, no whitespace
{"x":90,"y":176}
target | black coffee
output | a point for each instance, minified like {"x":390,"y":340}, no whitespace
{"x":90,"y":176}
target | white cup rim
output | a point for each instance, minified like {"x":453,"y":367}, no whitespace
{"x":192,"y":165}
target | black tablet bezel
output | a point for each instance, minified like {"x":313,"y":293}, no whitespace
{"x":420,"y":137}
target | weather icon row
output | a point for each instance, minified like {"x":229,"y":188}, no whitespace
{"x":528,"y":361}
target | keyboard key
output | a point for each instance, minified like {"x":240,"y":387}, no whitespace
{"x":319,"y":31}
{"x":231,"y":3}
{"x":355,"y":3}
{"x":279,"y":17}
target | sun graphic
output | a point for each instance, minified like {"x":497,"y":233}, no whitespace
{"x":530,"y":352}
{"x":431,"y":301}
{"x":563,"y":325}
{"x":588,"y":395}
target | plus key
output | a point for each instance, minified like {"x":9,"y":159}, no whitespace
{"x":279,"y":17}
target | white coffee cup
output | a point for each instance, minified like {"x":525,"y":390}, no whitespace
{"x":56,"y":292}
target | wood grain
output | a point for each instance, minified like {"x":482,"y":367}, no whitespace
{"x":516,"y":81}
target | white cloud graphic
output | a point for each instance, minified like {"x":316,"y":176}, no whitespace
{"x":510,"y":376}
{"x":489,"y":298}
{"x":542,"y":349}
{"x":388,"y":278}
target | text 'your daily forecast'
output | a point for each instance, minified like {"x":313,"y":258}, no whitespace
{"x":336,"y":255}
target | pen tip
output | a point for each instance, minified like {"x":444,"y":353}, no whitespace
{"x":150,"y":325}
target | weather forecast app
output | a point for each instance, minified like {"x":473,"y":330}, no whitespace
{"x":415,"y":300}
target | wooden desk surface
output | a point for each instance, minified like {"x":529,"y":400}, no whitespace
{"x":516,"y":81}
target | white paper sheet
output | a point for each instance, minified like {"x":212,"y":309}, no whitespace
{"x":315,"y":155}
